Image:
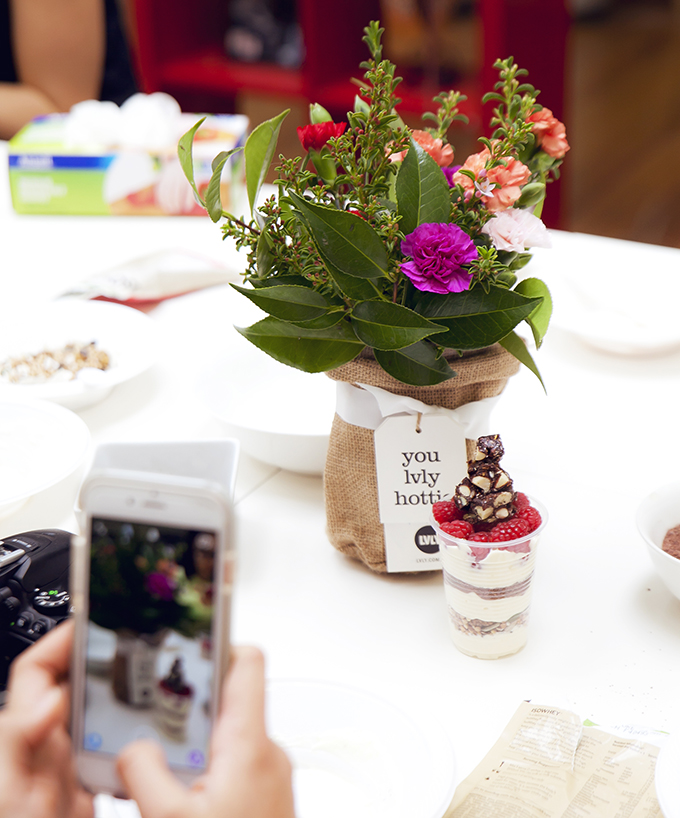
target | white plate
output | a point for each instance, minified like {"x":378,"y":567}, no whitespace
{"x":127,"y":335}
{"x":355,"y":754}
{"x":41,"y":443}
{"x":622,"y":302}
{"x":667,"y":779}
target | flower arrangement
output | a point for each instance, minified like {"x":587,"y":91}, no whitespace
{"x":138,"y":583}
{"x":377,"y":242}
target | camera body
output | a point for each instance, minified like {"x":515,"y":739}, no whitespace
{"x":34,"y":590}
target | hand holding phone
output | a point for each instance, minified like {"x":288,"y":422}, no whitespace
{"x":37,"y":775}
{"x":248,"y":776}
{"x":151,"y":585}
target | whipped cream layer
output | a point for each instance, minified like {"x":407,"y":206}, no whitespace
{"x":488,"y":596}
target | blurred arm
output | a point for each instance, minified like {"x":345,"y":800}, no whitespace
{"x":59,"y":49}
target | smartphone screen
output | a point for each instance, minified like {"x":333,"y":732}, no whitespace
{"x":149,"y":639}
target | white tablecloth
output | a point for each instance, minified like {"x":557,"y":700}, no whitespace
{"x":604,"y":632}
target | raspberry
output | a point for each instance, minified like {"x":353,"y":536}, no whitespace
{"x":445,"y":511}
{"x":510,"y":530}
{"x":458,"y":528}
{"x":480,"y":536}
{"x":531,"y":515}
{"x":479,"y":553}
{"x":521,"y":500}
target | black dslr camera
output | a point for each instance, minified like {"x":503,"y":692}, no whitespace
{"x":34,"y":597}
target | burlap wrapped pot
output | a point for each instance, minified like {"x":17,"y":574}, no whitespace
{"x":350,"y":483}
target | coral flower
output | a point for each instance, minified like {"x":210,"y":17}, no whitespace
{"x":550,"y":133}
{"x":441,"y":153}
{"x":498,"y":187}
{"x":439,"y":252}
{"x":315,"y":136}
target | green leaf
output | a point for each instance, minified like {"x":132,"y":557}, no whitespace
{"x":259,"y":152}
{"x":358,"y":289}
{"x":384,"y":325}
{"x":328,"y":319}
{"x":264,"y":258}
{"x":275,"y":281}
{"x":539,"y":319}
{"x":289,"y":303}
{"x":417,"y":365}
{"x":516,"y":346}
{"x":213,"y":195}
{"x":475,"y":318}
{"x":185,"y":155}
{"x":305,"y":349}
{"x":344,"y":241}
{"x":422,"y":190}
{"x":531,"y":195}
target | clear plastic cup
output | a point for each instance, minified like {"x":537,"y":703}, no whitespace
{"x":488,"y":590}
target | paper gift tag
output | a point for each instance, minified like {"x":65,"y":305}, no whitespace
{"x":420,"y":459}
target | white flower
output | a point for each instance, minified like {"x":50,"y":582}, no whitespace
{"x":516,"y":230}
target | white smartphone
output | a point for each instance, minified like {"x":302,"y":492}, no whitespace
{"x":151,"y":583}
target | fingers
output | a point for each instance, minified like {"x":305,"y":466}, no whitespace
{"x":41,"y":667}
{"x":243,"y":701}
{"x":147,"y":779}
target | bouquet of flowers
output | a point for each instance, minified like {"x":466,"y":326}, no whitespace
{"x":378,"y":244}
{"x":138,"y":584}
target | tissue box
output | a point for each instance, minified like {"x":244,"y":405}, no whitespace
{"x":50,"y":173}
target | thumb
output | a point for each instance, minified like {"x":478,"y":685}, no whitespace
{"x":148,"y":780}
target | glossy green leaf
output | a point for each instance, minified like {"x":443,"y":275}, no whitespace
{"x":344,"y":241}
{"x":417,"y":365}
{"x":276,"y":281}
{"x":264,"y":258}
{"x":259,"y":152}
{"x":213,"y":195}
{"x":289,"y":303}
{"x":475,"y":318}
{"x":539,"y":319}
{"x":328,"y":319}
{"x":384,"y":325}
{"x":185,"y":155}
{"x":302,"y":348}
{"x":531,"y":195}
{"x":357,"y":289}
{"x":422,"y":190}
{"x":516,"y":346}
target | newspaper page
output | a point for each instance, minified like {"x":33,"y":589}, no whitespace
{"x":547,"y":764}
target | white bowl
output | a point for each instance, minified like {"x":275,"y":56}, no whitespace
{"x":280,"y":415}
{"x":657,"y":513}
{"x":129,"y":337}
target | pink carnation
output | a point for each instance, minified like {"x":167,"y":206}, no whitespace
{"x":499,"y":187}
{"x":441,"y":153}
{"x":550,"y":133}
{"x":516,"y":230}
{"x":439,"y":252}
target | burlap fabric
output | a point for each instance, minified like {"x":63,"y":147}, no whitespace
{"x":350,"y":484}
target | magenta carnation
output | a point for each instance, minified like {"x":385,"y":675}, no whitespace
{"x":439,"y":253}
{"x":160,"y":586}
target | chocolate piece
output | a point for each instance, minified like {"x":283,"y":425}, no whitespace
{"x":489,"y":476}
{"x":465,"y":491}
{"x":489,"y":447}
{"x":486,"y":493}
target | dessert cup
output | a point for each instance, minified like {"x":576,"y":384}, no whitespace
{"x":488,"y":590}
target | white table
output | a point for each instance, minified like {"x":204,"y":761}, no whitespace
{"x":604,"y":631}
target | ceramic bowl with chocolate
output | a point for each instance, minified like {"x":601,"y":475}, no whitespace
{"x":658,"y":521}
{"x":488,"y":533}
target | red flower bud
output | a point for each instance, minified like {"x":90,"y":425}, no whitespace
{"x":314,"y":137}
